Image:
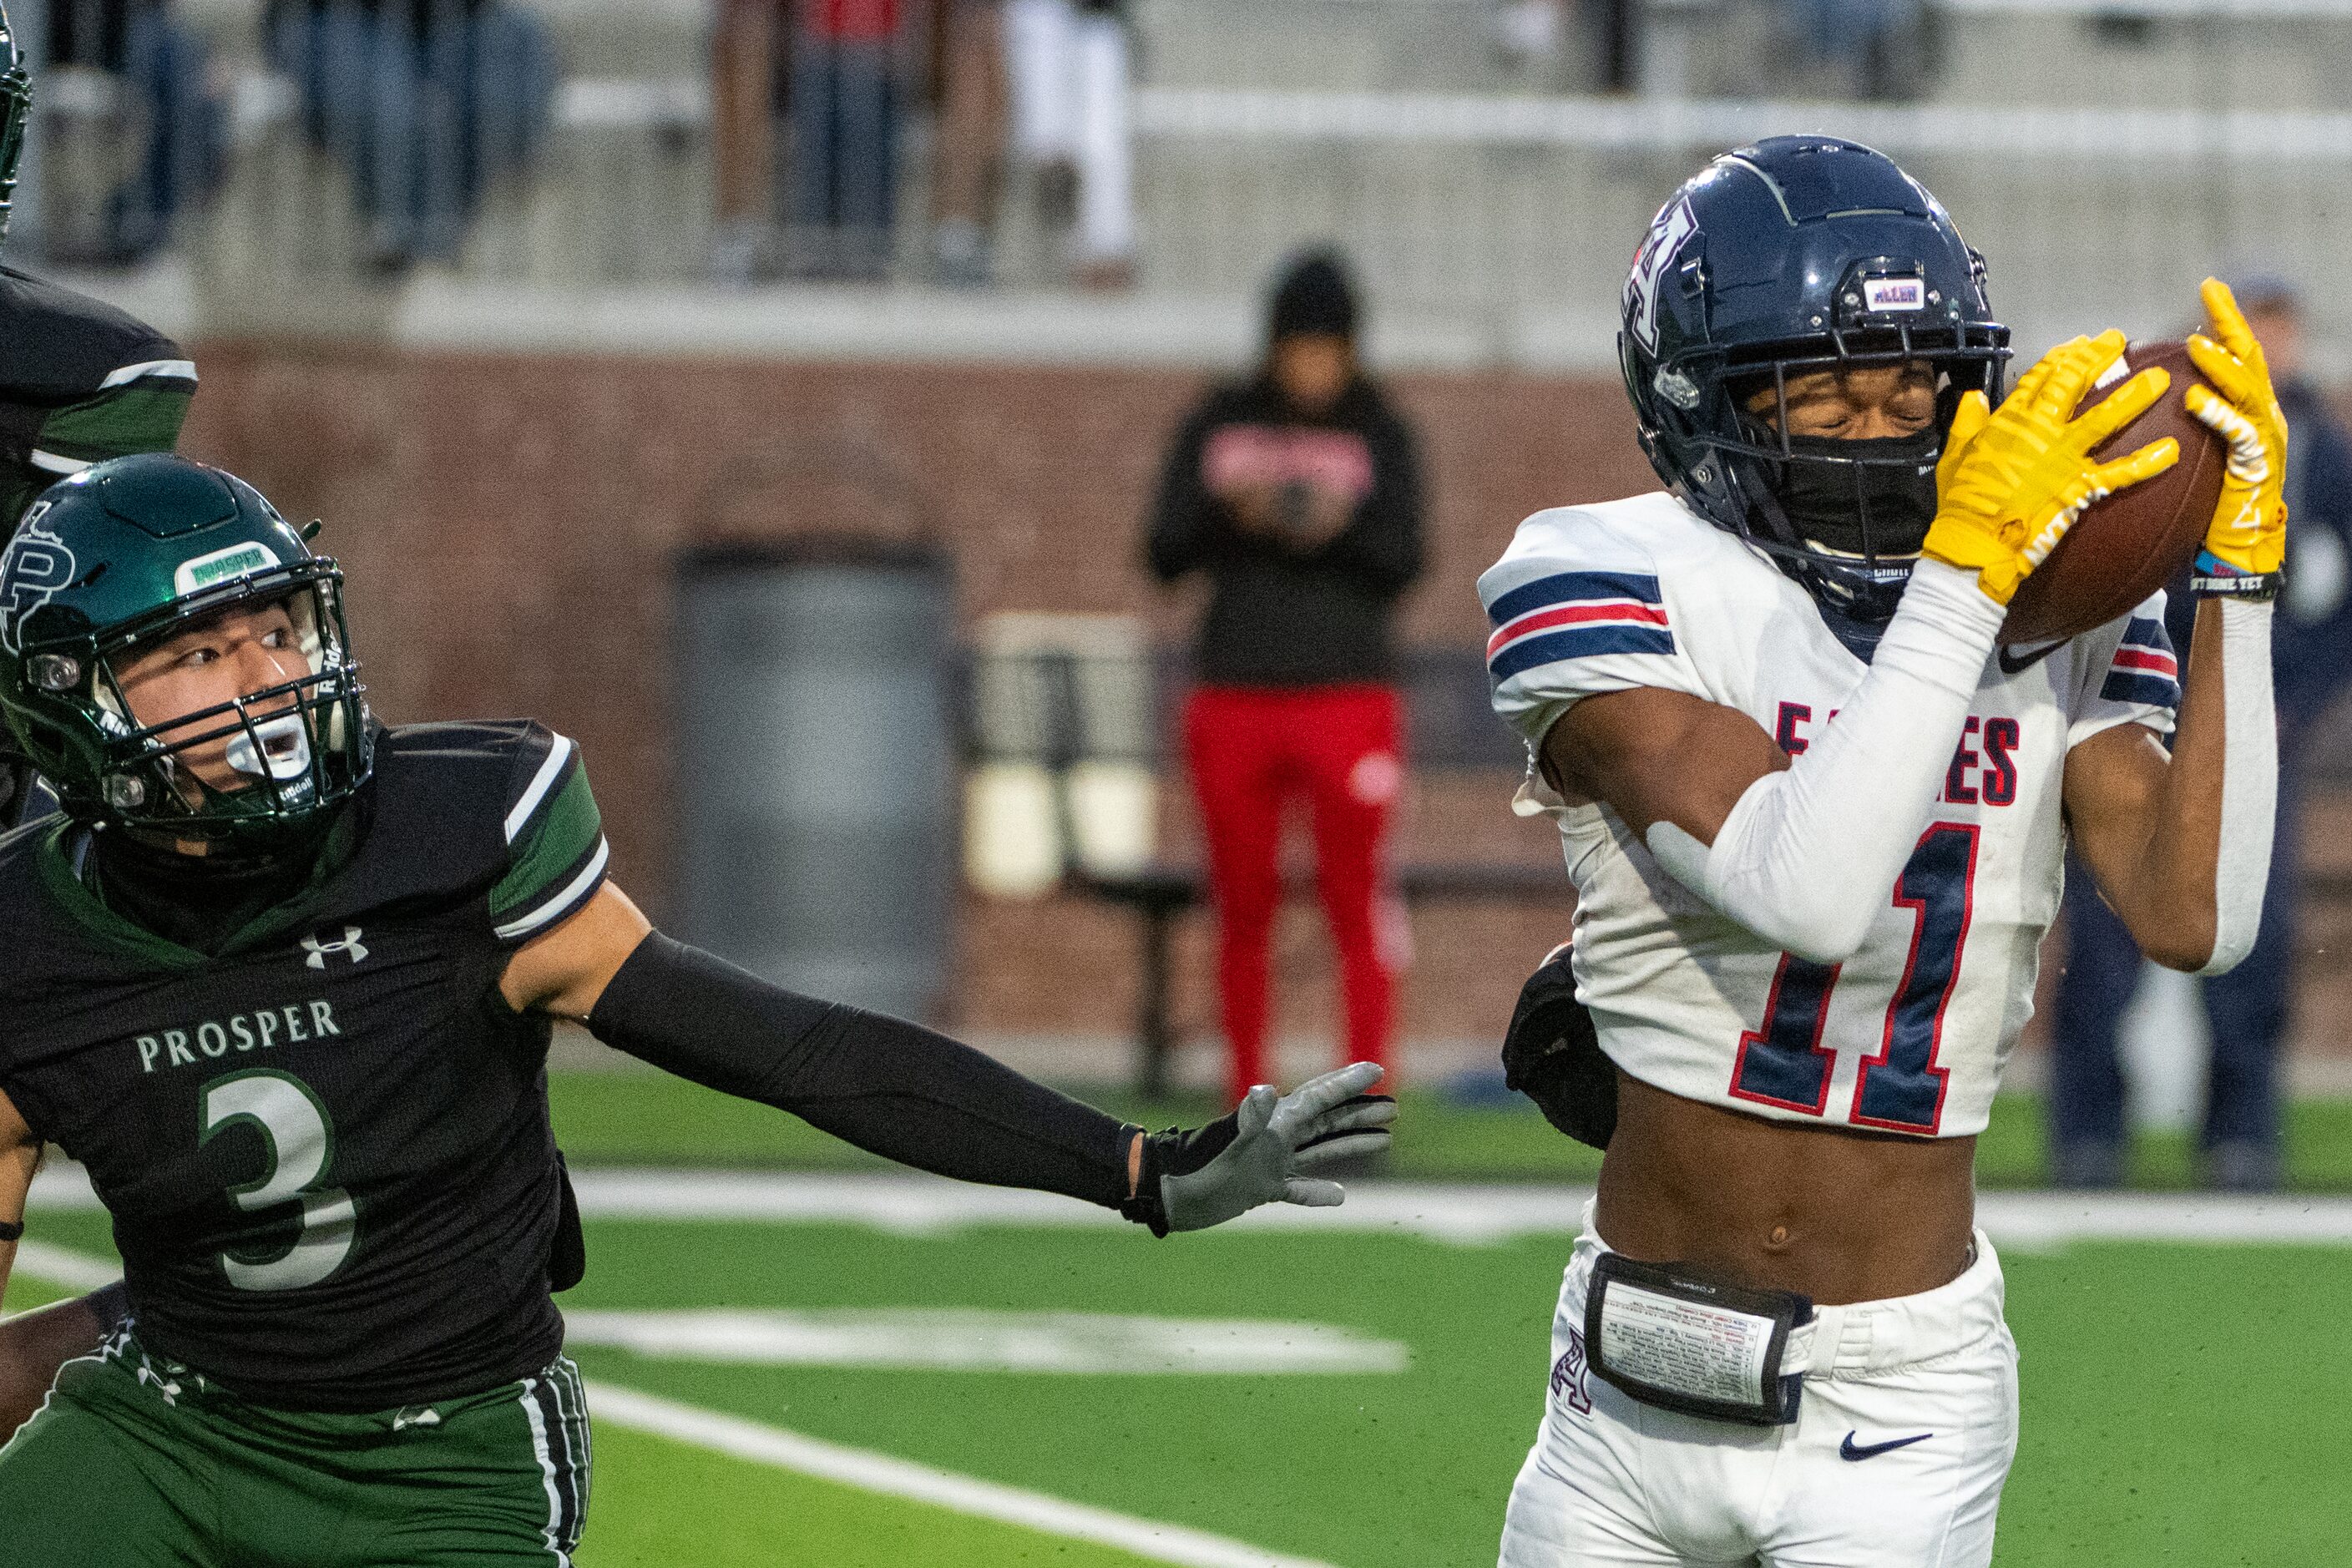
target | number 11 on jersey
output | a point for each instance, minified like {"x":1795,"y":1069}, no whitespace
{"x":1783,"y":1061}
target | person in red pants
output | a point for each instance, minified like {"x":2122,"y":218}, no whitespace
{"x":1297,"y":492}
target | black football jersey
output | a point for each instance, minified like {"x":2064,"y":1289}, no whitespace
{"x":326,"y":1147}
{"x":79,"y":382}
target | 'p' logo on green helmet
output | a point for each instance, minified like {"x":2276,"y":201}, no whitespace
{"x":127,"y":556}
{"x":37,"y":565}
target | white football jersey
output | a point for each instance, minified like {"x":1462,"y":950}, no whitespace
{"x":1911,"y":1032}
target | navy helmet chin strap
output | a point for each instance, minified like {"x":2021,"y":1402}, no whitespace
{"x":1796,"y":255}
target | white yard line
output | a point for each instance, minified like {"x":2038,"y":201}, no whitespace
{"x":766,"y":1445}
{"x":968,"y":1339}
{"x":74,"y":1271}
{"x":914,"y":1203}
{"x":763,"y":1445}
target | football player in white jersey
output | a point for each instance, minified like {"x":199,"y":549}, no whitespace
{"x":1814,"y":814}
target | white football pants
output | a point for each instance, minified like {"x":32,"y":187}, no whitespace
{"x":1610,"y":1481}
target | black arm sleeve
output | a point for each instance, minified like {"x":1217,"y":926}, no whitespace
{"x":895,"y":1089}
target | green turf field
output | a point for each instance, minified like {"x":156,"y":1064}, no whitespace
{"x":2156,"y":1431}
{"x":650,"y":1118}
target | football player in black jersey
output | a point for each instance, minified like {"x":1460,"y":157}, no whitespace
{"x":79,"y":382}
{"x":282,"y":980}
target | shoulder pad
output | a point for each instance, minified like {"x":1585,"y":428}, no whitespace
{"x":1581,"y":603}
{"x":451,"y":785}
{"x":60,"y":346}
{"x":1576,"y":580}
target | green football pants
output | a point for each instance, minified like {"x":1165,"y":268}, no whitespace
{"x":136,"y":1462}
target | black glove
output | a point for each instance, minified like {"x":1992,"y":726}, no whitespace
{"x":1552,"y":1055}
{"x":1263,"y":1152}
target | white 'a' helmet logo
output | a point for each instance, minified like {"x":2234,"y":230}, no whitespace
{"x":1673,"y":225}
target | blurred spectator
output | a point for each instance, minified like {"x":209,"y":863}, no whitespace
{"x":844,"y":144}
{"x":1887,"y":49}
{"x":2247,"y":1008}
{"x":747,"y":45}
{"x":1532,"y":37}
{"x":129,"y":102}
{"x":1298,"y":493}
{"x":971,"y":140}
{"x":424,"y":100}
{"x":1527,"y":33}
{"x":1068,"y":62}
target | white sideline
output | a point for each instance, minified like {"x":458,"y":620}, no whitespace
{"x":764,"y":1445}
{"x":912,"y":1204}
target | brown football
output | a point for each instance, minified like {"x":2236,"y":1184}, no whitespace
{"x":2128,"y":546}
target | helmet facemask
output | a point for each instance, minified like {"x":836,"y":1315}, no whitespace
{"x":1847,"y":518}
{"x":289,"y":751}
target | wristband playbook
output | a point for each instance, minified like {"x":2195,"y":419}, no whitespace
{"x":1676,"y":1337}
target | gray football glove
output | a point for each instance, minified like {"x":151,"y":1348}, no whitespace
{"x":1263,"y":1152}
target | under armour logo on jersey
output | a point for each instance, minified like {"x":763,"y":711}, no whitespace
{"x":318,"y":950}
{"x":165,"y":1385}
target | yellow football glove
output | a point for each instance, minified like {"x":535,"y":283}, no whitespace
{"x":2012,"y":481}
{"x":2248,"y":537}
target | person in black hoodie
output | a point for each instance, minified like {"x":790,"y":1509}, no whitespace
{"x":1298,"y":493}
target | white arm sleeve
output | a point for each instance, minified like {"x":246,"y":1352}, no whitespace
{"x":2249,"y":783}
{"x":1807,"y":856}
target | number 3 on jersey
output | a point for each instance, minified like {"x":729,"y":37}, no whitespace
{"x":301,"y":1141}
{"x":1900,"y":1086}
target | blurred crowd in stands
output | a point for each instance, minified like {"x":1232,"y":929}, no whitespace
{"x":421,"y":101}
{"x":132,"y":112}
{"x":1868,"y":50}
{"x":813,"y":104}
{"x":1029,"y":98}
{"x":819,"y":112}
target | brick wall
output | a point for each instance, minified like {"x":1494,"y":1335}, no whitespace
{"x":508,"y":523}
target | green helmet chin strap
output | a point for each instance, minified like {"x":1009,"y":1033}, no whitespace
{"x":15,"y":109}
{"x":118,"y":561}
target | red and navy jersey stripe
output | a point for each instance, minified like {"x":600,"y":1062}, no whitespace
{"x":1576,"y":614}
{"x":2144,"y":668}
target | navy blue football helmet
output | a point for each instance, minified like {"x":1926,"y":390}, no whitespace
{"x":1797,"y":254}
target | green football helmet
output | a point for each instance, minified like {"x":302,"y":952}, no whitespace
{"x":125,"y":555}
{"x":15,"y":109}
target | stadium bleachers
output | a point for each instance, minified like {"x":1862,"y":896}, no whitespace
{"x":2103,"y":155}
